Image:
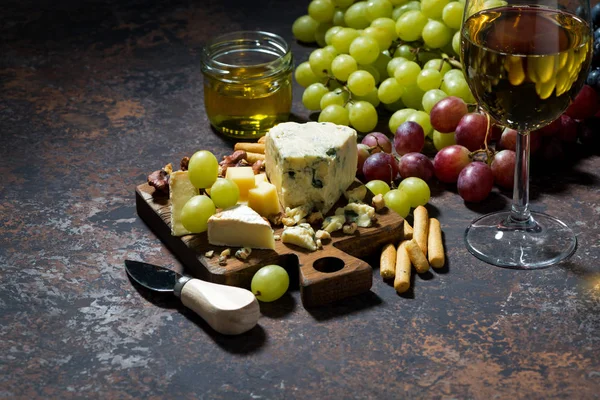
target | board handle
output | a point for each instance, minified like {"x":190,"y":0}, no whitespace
{"x":229,"y":310}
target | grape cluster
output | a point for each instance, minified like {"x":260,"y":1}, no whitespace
{"x":593,"y":78}
{"x":377,"y":56}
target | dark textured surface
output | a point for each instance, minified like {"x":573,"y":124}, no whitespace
{"x":94,"y":96}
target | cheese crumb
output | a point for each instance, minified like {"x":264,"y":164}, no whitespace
{"x":209,"y":254}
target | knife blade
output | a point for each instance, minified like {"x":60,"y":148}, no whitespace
{"x":227,"y":309}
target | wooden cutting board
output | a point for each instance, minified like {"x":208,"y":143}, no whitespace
{"x":326,"y":275}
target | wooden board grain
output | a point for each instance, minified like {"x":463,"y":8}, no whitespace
{"x":333,"y":273}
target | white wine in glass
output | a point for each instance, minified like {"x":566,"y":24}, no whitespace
{"x":524,"y":61}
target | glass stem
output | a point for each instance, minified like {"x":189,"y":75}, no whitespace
{"x":520,"y":205}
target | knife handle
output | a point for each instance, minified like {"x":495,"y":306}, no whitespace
{"x":227,"y":309}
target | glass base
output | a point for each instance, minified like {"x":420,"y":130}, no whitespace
{"x":540,"y":242}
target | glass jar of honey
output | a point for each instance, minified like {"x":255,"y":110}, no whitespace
{"x":247,"y":82}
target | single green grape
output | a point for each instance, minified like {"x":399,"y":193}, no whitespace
{"x":321,"y":10}
{"x":431,"y":98}
{"x":380,"y":35}
{"x":330,"y":32}
{"x":429,"y":79}
{"x":389,"y":91}
{"x":441,"y":140}
{"x":224,"y":193}
{"x":363,"y":116}
{"x":410,"y":25}
{"x":377,"y":186}
{"x":361,"y":82}
{"x":407,"y":73}
{"x":304,"y":29}
{"x":338,"y":96}
{"x":356,"y":15}
{"x":203,"y":169}
{"x":398,"y":202}
{"x":439,"y":65}
{"x":453,"y":14}
{"x":454,"y":74}
{"x":320,"y":62}
{"x":335,"y":113}
{"x":433,"y":8}
{"x":456,"y":42}
{"x":436,"y":34}
{"x":407,"y":52}
{"x":342,"y":66}
{"x":364,"y":49}
{"x":311,"y":98}
{"x":378,"y":9}
{"x":196,"y":212}
{"x":270,"y":283}
{"x":304,"y":75}
{"x":417,"y":191}
{"x":388,"y":25}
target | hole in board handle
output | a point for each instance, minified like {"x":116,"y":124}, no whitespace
{"x":328,"y":264}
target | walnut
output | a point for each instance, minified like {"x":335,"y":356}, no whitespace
{"x":231,"y":161}
{"x":243,"y":253}
{"x":159,"y":180}
{"x":349,"y":229}
{"x":226,"y":253}
{"x":184,"y":163}
{"x":276,"y":219}
{"x":258,"y":166}
{"x":378,"y":203}
{"x":315,"y":218}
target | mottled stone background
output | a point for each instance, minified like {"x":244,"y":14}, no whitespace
{"x":96,"y":94}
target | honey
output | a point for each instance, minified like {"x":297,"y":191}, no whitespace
{"x":247,"y":83}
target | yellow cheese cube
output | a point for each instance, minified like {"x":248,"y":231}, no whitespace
{"x":259,"y":178}
{"x":263,"y":199}
{"x":243,"y":177}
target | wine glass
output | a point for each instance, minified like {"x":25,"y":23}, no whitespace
{"x":524,"y":60}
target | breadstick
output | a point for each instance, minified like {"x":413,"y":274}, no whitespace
{"x":262,"y":139}
{"x":435,"y":245}
{"x":417,"y":258}
{"x":420,"y":227}
{"x":387,"y":264}
{"x":408,"y":230}
{"x":402,"y":278}
{"x":254,"y":157}
{"x":250,"y":147}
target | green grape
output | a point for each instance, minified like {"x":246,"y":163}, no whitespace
{"x":380,"y":35}
{"x":364,"y":49}
{"x":388,"y":25}
{"x":224,"y":193}
{"x":203,"y":169}
{"x":355,"y":16}
{"x":431,"y":98}
{"x":410,"y":25}
{"x":454,"y":74}
{"x":393,"y":64}
{"x":304,"y":75}
{"x":429,"y":79}
{"x":331,"y":50}
{"x":338,"y":96}
{"x":436,"y":34}
{"x":342,"y":39}
{"x":406,"y":74}
{"x":320,"y":33}
{"x":363,"y":116}
{"x":458,"y":87}
{"x":342,"y":66}
{"x":389,"y":91}
{"x":378,"y":9}
{"x":270,"y":283}
{"x":404,"y":8}
{"x":413,"y":97}
{"x":456,"y":43}
{"x":377,"y":186}
{"x":399,"y":117}
{"x":320,"y":62}
{"x":338,"y":18}
{"x":196,"y":212}
{"x":304,"y":29}
{"x":439,"y":65}
{"x":432,"y":8}
{"x":453,"y":14}
{"x":311,"y":98}
{"x":441,"y":140}
{"x":361,"y":82}
{"x":371,"y":97}
{"x":343,"y":3}
{"x":417,"y":191}
{"x":398,"y":202}
{"x":335,"y":113}
{"x":421,"y":118}
{"x":321,"y":10}
{"x":329,"y":34}
{"x":371,"y":70}
{"x":406,"y":52}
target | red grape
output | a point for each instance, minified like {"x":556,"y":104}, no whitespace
{"x":409,"y":138}
{"x":508,"y":140}
{"x":417,"y":165}
{"x":381,"y":166}
{"x":446,"y":114}
{"x":475,"y":182}
{"x":363,"y":154}
{"x":496,"y":132}
{"x":585,"y":104}
{"x":550,"y":129}
{"x":471,"y":131}
{"x":449,"y":161}
{"x":568,"y":129}
{"x":378,"y":142}
{"x":503,"y":168}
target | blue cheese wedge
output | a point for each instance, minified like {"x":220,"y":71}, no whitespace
{"x":301,"y":235}
{"x":240,"y":226}
{"x":311,"y":163}
{"x":180,"y":191}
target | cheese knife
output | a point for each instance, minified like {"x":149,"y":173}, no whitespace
{"x":227,"y":309}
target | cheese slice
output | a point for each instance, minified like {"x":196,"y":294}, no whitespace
{"x":180,"y":191}
{"x":311,"y":163}
{"x":240,"y":226}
